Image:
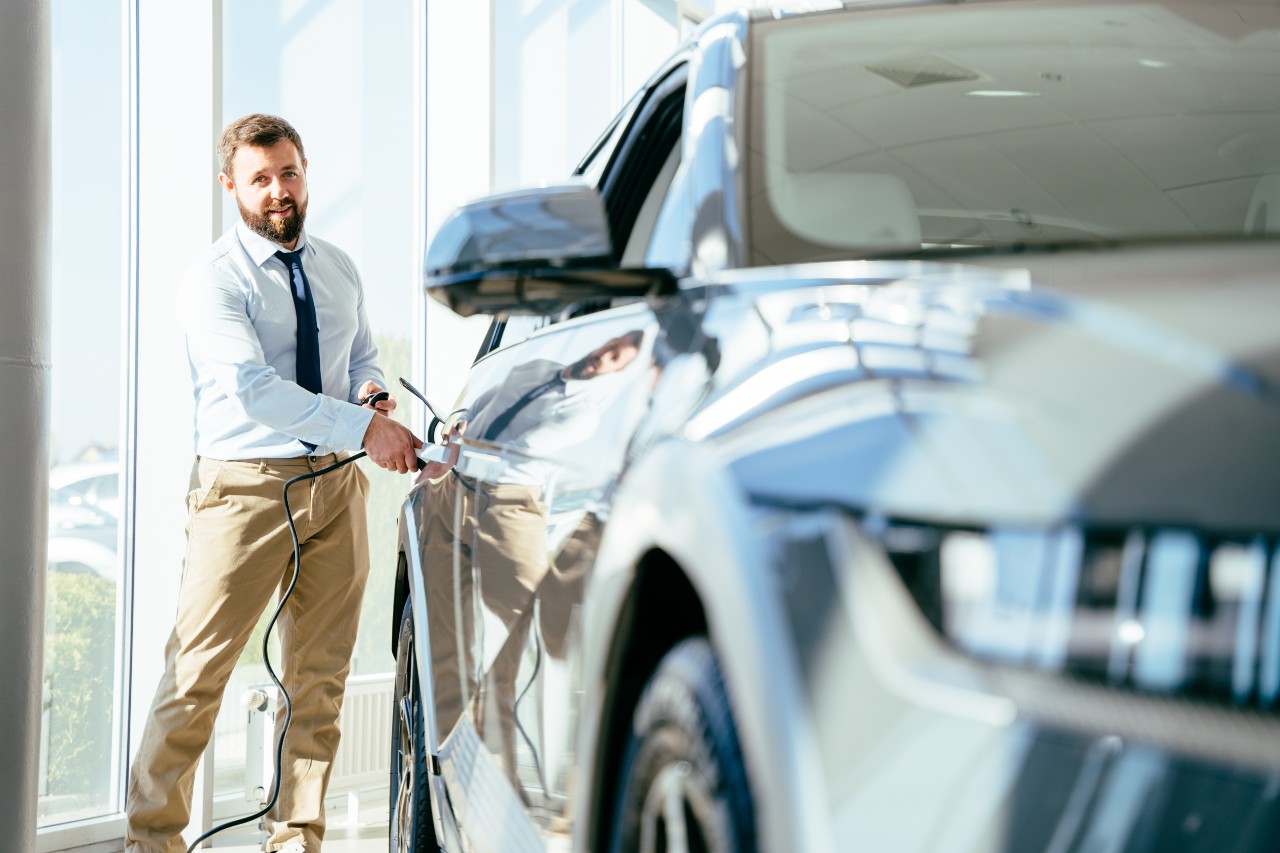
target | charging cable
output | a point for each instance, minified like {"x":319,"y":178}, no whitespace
{"x":376,"y":397}
{"x":266,"y":657}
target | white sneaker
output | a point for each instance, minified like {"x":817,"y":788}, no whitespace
{"x":293,"y":847}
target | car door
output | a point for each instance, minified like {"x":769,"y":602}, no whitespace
{"x":506,"y":527}
{"x":508,"y":524}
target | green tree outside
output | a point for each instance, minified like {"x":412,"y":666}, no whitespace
{"x":79,"y":676}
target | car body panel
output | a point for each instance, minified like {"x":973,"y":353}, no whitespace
{"x":998,"y":390}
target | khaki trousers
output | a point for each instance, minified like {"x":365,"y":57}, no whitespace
{"x":239,"y":552}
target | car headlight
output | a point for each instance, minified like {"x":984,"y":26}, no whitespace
{"x":1165,"y":610}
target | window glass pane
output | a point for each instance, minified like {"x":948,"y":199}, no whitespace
{"x":79,"y":742}
{"x":342,"y":73}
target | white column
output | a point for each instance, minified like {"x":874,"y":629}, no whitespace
{"x":179,"y":105}
{"x":24,"y":383}
{"x":459,"y":146}
{"x":652,"y":32}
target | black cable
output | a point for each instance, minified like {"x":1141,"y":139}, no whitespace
{"x":515,"y":706}
{"x":266,"y":657}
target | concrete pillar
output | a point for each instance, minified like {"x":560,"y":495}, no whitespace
{"x":24,"y":383}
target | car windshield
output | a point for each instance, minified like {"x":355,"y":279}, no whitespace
{"x":956,"y":129}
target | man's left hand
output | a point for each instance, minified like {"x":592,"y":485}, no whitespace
{"x":384,"y":407}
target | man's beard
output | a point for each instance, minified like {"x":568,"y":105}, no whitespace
{"x":283,"y":230}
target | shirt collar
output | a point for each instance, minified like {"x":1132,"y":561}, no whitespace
{"x":260,"y":248}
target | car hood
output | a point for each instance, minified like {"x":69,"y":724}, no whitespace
{"x":1111,"y":387}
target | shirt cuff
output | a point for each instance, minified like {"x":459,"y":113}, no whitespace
{"x":350,"y":424}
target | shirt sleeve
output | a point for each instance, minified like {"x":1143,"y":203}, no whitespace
{"x":225,"y":352}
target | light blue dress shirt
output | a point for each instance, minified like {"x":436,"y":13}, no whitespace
{"x":236,"y":309}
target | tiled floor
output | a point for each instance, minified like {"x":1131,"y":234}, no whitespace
{"x":335,"y":843}
{"x":331,"y":845}
{"x":369,"y":836}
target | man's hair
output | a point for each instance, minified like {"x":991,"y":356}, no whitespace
{"x":256,"y":129}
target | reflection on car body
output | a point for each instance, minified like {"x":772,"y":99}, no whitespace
{"x":527,"y":490}
{"x":531,"y":454}
{"x":936,"y":508}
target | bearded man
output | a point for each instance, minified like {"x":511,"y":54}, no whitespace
{"x":282,"y":360}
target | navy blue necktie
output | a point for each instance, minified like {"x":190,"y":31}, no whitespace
{"x":304,"y":308}
{"x":508,"y":415}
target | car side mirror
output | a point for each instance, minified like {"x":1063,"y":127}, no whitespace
{"x":536,"y":251}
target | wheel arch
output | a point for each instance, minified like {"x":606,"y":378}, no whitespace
{"x":399,"y":595}
{"x":697,"y":540}
{"x":661,"y":608}
{"x":408,"y":563}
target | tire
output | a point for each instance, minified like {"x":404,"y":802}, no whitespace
{"x":683,"y":784}
{"x":412,"y":829}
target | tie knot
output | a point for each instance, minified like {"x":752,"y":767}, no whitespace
{"x":298,"y":278}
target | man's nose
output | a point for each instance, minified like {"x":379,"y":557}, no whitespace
{"x":278,"y":189}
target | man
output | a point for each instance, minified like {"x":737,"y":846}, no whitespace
{"x":281,"y":357}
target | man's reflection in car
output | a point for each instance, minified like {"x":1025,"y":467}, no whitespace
{"x":491,"y":533}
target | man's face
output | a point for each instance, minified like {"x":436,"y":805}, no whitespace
{"x":270,"y":186}
{"x":611,"y":357}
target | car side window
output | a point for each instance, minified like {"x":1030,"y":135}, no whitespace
{"x":647,"y":161}
{"x":668,"y":241}
{"x":656,"y":202}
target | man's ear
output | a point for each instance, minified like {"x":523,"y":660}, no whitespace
{"x":227,"y":184}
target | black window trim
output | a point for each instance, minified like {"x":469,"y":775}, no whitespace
{"x":661,"y":112}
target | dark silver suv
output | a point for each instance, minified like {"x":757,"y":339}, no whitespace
{"x":877,"y":447}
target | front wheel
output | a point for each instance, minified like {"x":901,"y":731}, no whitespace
{"x":412,"y":830}
{"x":684,"y":783}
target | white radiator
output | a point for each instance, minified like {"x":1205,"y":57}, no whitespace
{"x":364,"y":753}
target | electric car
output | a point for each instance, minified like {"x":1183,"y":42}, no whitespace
{"x":874,"y":447}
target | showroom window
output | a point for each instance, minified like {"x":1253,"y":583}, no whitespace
{"x":80,"y":741}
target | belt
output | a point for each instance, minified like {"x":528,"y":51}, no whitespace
{"x":320,"y":460}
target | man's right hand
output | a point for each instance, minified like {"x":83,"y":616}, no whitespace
{"x":433,"y":470}
{"x":390,"y":445}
